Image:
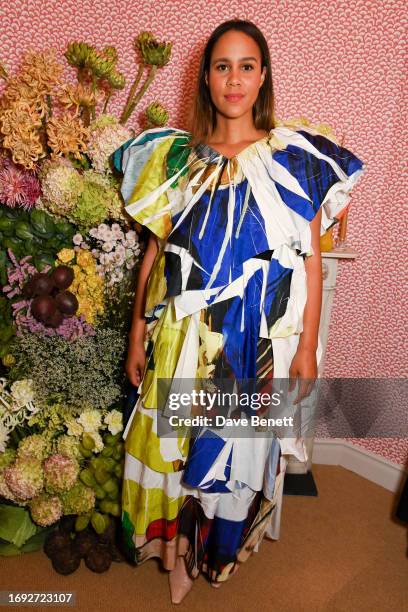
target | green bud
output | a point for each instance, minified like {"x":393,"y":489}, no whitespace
{"x":117,"y":80}
{"x":157,"y":114}
{"x":155,"y":53}
{"x":110,"y":53}
{"x":144,"y":37}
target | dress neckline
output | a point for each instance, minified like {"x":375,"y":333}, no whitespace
{"x":206,"y":147}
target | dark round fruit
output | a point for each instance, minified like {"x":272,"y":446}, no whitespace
{"x":63,"y":276}
{"x":98,"y":559}
{"x":84,"y":542}
{"x":66,"y":561}
{"x":108,"y":536}
{"x":56,"y":541}
{"x":67,"y":523}
{"x":43,"y":307}
{"x":43,"y":284}
{"x":67,"y":302}
{"x":55,"y":319}
{"x":28,"y":289}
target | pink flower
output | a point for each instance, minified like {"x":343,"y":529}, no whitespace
{"x":60,"y":473}
{"x":18,"y":187}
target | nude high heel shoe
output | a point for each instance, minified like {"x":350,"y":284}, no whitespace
{"x":179,"y":581}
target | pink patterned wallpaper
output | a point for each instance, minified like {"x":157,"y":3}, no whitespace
{"x":332,"y":62}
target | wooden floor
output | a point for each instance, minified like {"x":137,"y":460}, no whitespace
{"x":340,"y":551}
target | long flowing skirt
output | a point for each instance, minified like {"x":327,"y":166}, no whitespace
{"x":207,"y":495}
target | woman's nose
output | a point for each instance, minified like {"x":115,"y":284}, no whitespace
{"x":234,"y":77}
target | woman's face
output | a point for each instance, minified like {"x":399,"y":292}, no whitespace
{"x":235,"y":74}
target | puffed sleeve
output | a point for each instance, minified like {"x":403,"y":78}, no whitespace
{"x":151,"y":165}
{"x":324,"y":172}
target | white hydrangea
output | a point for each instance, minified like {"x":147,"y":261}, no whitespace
{"x":103,"y":142}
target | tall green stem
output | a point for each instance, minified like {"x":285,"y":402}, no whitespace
{"x":132,"y":92}
{"x":139,"y":95}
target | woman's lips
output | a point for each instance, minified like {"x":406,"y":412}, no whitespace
{"x":234,"y":97}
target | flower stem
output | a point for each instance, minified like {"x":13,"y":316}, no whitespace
{"x":93,"y":113}
{"x":105,"y":106}
{"x":139,"y":95}
{"x":132,"y":93}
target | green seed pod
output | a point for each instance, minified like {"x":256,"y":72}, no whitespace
{"x":84,"y":451}
{"x":101,"y":476}
{"x":82,"y":522}
{"x":111,"y":439}
{"x":115,"y":509}
{"x":98,"y":522}
{"x":114,"y":495}
{"x":99,"y":492}
{"x":107,"y":451}
{"x":117,"y":454}
{"x":106,"y":506}
{"x":118,"y":471}
{"x":88,"y":442}
{"x":110,"y":464}
{"x":110,"y":485}
{"x":98,"y":463}
{"x":87,"y":477}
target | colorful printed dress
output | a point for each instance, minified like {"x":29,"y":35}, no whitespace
{"x":225,"y":300}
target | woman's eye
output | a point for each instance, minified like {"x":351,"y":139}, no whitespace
{"x":220,"y":67}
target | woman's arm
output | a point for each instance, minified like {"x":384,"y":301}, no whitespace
{"x":313,"y":267}
{"x":304,"y":363}
{"x":136,"y":353}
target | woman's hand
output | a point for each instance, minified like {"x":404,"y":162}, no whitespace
{"x":135,"y":362}
{"x":304,"y":366}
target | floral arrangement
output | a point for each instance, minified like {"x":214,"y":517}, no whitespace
{"x":69,"y":258}
{"x":71,"y":466}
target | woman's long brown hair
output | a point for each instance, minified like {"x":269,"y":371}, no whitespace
{"x":203,"y":112}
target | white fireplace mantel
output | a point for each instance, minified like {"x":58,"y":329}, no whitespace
{"x":330,"y":262}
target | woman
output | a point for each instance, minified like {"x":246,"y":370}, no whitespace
{"x":229,"y":290}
